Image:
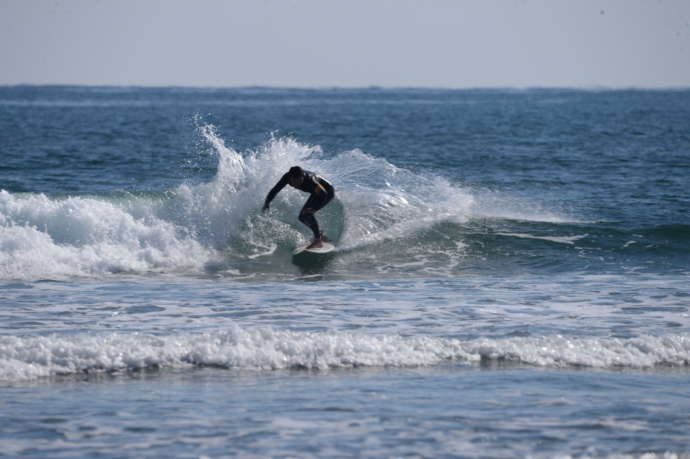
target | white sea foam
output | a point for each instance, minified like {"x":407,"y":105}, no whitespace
{"x":570,"y":240}
{"x":42,"y":237}
{"x":31,"y":357}
{"x":392,"y":203}
{"x":496,"y":204}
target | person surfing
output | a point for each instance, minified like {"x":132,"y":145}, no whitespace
{"x":321,"y":192}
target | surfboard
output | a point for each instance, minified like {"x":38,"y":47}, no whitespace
{"x":325,"y":248}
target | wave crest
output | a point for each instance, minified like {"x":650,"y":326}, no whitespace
{"x":384,"y":214}
{"x":33,"y":357}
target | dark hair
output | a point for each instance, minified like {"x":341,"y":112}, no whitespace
{"x":295,"y":171}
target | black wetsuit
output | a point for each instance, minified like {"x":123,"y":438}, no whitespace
{"x":321,"y":193}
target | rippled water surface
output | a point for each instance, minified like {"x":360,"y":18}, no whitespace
{"x":511,"y":273}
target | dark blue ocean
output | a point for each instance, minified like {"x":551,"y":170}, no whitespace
{"x":511,"y":278}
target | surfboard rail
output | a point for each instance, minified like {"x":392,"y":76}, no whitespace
{"x":326,"y":247}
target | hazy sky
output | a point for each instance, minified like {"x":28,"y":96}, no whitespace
{"x":462,"y":43}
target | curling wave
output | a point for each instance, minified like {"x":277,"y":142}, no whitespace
{"x":385,"y":215}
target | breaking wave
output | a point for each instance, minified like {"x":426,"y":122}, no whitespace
{"x":31,"y":357}
{"x":383,"y":216}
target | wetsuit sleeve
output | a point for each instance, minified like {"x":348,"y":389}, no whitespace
{"x":275,"y":190}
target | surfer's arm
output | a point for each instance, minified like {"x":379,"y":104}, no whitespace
{"x":275,"y":190}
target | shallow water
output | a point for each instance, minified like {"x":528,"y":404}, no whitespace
{"x":443,"y":410}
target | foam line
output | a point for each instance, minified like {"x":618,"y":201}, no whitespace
{"x":31,"y":357}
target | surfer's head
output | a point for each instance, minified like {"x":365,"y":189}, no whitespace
{"x":295,"y":175}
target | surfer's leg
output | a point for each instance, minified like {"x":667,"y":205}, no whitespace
{"x":321,"y":204}
{"x":315,"y":202}
{"x":306,"y":215}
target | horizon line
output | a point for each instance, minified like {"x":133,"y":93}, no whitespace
{"x":599,"y":87}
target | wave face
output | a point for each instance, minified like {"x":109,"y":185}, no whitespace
{"x":384,"y":220}
{"x":181,"y":230}
{"x":33,"y":357}
{"x":215,"y":225}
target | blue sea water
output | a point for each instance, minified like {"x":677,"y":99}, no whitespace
{"x":511,"y":275}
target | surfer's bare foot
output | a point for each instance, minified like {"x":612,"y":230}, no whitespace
{"x":318,"y":243}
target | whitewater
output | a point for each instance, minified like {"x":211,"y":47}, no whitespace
{"x":188,"y":229}
{"x":510,"y":279}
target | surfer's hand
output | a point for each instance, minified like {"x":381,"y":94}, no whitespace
{"x":265,"y":208}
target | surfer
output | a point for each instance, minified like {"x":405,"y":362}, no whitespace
{"x":321,"y":192}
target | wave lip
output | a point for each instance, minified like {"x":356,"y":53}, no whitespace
{"x":33,"y":357}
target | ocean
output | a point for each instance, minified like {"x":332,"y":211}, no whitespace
{"x":511,"y":278}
